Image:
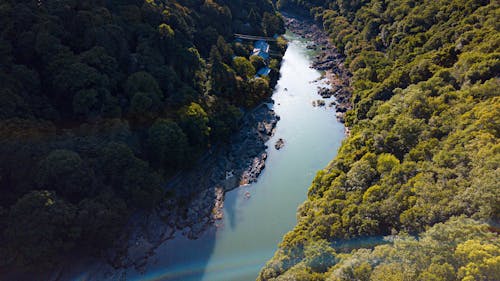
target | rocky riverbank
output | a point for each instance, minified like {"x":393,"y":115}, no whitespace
{"x":328,"y":60}
{"x":197,"y":195}
{"x":195,"y":203}
{"x":199,"y":204}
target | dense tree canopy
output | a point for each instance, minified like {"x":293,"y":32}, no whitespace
{"x":423,"y":146}
{"x":40,"y":226}
{"x":101,"y":102}
{"x":65,"y":172}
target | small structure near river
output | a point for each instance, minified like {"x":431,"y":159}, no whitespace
{"x":264,"y":71}
{"x":261,"y":49}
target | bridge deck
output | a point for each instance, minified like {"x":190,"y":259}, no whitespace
{"x":252,"y":37}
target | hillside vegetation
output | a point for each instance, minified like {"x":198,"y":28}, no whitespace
{"x":101,"y":101}
{"x":421,"y":164}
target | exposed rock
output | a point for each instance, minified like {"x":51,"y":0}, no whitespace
{"x":312,"y":46}
{"x":340,"y":116}
{"x":251,"y":174}
{"x":279,"y":144}
{"x":198,"y":197}
{"x":329,"y":59}
{"x":342,"y":108}
{"x":326,"y":92}
{"x":199,"y":192}
{"x":218,"y":212}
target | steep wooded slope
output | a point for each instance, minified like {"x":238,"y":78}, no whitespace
{"x":101,"y":101}
{"x":424,"y":147}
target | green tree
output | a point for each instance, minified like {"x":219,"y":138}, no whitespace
{"x":86,"y":102}
{"x":86,"y":90}
{"x":257,"y":62}
{"x":101,"y":220}
{"x":386,"y":162}
{"x":142,"y":82}
{"x":144,"y":105}
{"x":194,"y":122}
{"x":258,"y":90}
{"x":480,"y":260}
{"x":225,"y":50}
{"x":166,"y":31}
{"x":272,"y":24}
{"x":362,"y":173}
{"x":40,"y":227}
{"x":222,"y":77}
{"x":65,"y":172}
{"x":243,"y":67}
{"x":98,"y":58}
{"x":319,"y":256}
{"x":129,"y":176}
{"x":75,"y":77}
{"x":167,"y":145}
{"x":225,"y":120}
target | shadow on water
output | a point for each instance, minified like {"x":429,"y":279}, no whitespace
{"x":231,"y":210}
{"x":184,"y":259}
{"x":256,"y":216}
{"x":180,"y":259}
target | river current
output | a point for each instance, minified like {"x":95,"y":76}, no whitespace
{"x":257,"y":216}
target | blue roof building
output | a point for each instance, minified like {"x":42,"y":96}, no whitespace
{"x":262,"y":45}
{"x":260,"y":53}
{"x":261,"y":49}
{"x":263,"y":71}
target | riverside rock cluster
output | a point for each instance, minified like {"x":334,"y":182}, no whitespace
{"x":279,"y":144}
{"x":200,"y":206}
{"x":328,"y":60}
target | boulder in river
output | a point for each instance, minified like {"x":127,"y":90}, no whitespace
{"x":340,"y":116}
{"x":325,"y":92}
{"x":279,"y":144}
{"x":312,"y":46}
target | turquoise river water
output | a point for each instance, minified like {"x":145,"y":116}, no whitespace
{"x":252,"y":227}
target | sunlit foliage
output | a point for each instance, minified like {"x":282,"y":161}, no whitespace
{"x":423,"y":144}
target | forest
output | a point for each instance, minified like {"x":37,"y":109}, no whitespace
{"x":102,"y":101}
{"x":414,"y":192}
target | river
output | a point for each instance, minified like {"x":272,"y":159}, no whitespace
{"x":252,"y":227}
{"x":257,"y":216}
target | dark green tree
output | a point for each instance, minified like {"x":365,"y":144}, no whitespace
{"x":194,"y":122}
{"x":65,"y":172}
{"x":40,"y":227}
{"x":243,"y":67}
{"x":167,"y":145}
{"x":101,"y":221}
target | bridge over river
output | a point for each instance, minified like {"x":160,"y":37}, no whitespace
{"x":254,"y":37}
